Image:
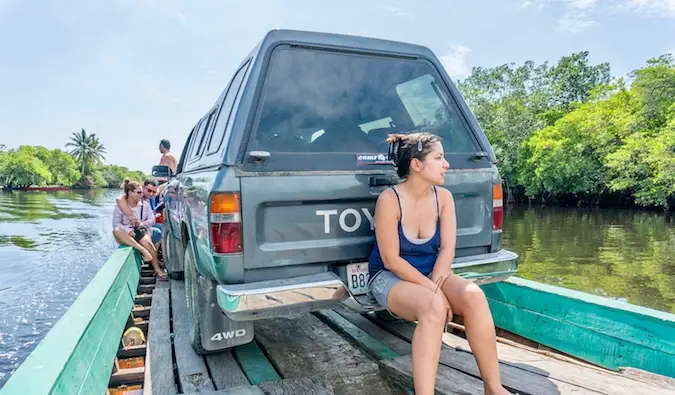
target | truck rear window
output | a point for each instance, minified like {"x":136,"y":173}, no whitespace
{"x":319,"y":109}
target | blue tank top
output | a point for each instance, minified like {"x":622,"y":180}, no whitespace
{"x":422,"y":256}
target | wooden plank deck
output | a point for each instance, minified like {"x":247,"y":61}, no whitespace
{"x":342,"y":352}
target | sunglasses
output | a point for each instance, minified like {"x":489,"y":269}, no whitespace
{"x":151,"y":190}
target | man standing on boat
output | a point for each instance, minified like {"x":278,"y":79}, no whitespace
{"x":168,"y":158}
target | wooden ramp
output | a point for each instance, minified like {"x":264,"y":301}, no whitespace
{"x":341,"y":352}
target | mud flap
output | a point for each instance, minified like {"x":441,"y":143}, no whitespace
{"x":218,"y":332}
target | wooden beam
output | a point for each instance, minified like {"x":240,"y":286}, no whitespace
{"x":303,"y":346}
{"x":305,"y":385}
{"x":132,"y":351}
{"x":564,"y":376}
{"x":363,"y":340}
{"x":254,"y":364}
{"x":225,"y":371}
{"x":127,"y":376}
{"x":159,"y":377}
{"x":448,"y":381}
{"x":192,"y":372}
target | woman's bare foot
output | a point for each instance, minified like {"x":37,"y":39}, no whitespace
{"x":146,"y":254}
{"x":496,"y":391}
{"x":162,"y":275}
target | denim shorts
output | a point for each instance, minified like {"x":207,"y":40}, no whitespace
{"x":156,"y":235}
{"x":380,"y":285}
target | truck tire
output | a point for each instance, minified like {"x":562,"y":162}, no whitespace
{"x":193,"y":305}
{"x":172,"y":255}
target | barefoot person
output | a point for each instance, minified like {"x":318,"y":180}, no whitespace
{"x":136,"y":232}
{"x":168,"y":158}
{"x":149,"y":195}
{"x":410,"y":265}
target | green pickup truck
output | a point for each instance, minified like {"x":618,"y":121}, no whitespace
{"x":270,"y":212}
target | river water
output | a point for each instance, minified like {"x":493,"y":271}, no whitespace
{"x":52,"y":245}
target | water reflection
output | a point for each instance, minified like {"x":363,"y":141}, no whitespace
{"x":51,"y":246}
{"x":615,"y":253}
{"x":18,"y":241}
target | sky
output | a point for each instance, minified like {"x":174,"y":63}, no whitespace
{"x":137,"y":71}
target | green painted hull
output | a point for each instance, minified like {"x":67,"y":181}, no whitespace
{"x":599,"y":330}
{"x":77,"y":355}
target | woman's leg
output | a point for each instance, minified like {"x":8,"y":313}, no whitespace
{"x":123,"y":237}
{"x":468,"y":300}
{"x":146,"y":241}
{"x":413,"y":302}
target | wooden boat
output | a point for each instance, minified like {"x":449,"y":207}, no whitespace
{"x":552,"y":341}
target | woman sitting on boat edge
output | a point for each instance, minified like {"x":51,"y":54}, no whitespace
{"x":135,"y":232}
{"x":410,"y":265}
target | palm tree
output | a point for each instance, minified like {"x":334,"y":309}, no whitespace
{"x":86,"y":148}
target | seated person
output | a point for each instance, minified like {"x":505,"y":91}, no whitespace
{"x":134,"y":231}
{"x":149,"y":194}
{"x":410,"y":265}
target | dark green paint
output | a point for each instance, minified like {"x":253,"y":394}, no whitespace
{"x":370,"y":344}
{"x":254,"y":364}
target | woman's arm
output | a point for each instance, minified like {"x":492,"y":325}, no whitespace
{"x":148,"y":214}
{"x":443,"y":264}
{"x":121,"y":202}
{"x":118,"y":220}
{"x":387,"y":215}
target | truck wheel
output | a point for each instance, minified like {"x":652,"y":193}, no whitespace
{"x":172,"y":257}
{"x":193,"y":306}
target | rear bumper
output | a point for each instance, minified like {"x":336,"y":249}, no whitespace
{"x":273,"y":298}
{"x":487,"y":268}
{"x":479,"y":269}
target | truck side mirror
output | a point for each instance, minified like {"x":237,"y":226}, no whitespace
{"x":161,"y":171}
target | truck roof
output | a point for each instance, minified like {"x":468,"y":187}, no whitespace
{"x":279,"y":36}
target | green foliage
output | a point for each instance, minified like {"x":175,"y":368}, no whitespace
{"x":567,"y":130}
{"x":113,"y":176}
{"x":511,"y":103}
{"x":40,"y":166}
{"x":60,"y":164}
{"x":87,"y":150}
{"x":19,"y":169}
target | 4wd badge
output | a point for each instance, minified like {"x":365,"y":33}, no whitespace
{"x":372,"y":159}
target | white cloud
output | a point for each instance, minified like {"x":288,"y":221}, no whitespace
{"x":576,"y":15}
{"x":534,"y":4}
{"x":455,"y":62}
{"x":582,"y":4}
{"x":575,"y":22}
{"x":664,"y":7}
{"x":653,"y":7}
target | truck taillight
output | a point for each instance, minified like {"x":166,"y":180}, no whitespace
{"x":225,"y":222}
{"x":497,"y":207}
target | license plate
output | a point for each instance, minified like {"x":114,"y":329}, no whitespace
{"x":357,"y":278}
